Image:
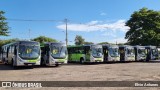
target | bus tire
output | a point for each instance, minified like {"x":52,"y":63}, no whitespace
{"x":14,"y":67}
{"x":56,"y":65}
{"x":81,"y":60}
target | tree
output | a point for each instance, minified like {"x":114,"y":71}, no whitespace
{"x":88,"y":43}
{"x":3,"y":42}
{"x":79,"y":40}
{"x":43,"y":39}
{"x":144,"y":28}
{"x":3,"y":25}
{"x":103,"y":43}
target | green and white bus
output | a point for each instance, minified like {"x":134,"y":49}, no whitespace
{"x":127,"y":53}
{"x":54,"y":54}
{"x":85,"y":53}
{"x":152,"y":53}
{"x":111,"y":53}
{"x":140,"y":53}
{"x":21,"y":53}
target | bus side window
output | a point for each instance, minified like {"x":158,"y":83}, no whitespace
{"x":86,"y":50}
{"x":10,"y":49}
{"x":69,"y":51}
{"x":73,"y":50}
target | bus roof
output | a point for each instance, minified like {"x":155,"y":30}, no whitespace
{"x":126,"y":46}
{"x":152,"y":47}
{"x":21,"y":42}
{"x":53,"y":43}
{"x":83,"y":45}
{"x":109,"y":45}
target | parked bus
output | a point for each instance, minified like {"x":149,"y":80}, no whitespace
{"x":85,"y":53}
{"x":111,"y":53}
{"x":54,"y":54}
{"x":21,"y":53}
{"x":127,"y":53}
{"x":152,"y":53}
{"x":140,"y":53}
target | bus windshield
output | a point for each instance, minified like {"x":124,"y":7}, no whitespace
{"x":142,"y":52}
{"x":29,"y":51}
{"x":155,"y":52}
{"x":97,"y":52}
{"x":58,"y":51}
{"x":113,"y":52}
{"x":130,"y":52}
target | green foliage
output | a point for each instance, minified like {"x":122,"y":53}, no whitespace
{"x":103,"y":43}
{"x":79,"y":40}
{"x":3,"y":25}
{"x":88,"y":43}
{"x":144,"y":28}
{"x":3,"y":42}
{"x":43,"y":39}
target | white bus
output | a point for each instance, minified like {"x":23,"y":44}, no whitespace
{"x":127,"y":53}
{"x":152,"y":53}
{"x":21,"y":53}
{"x":111,"y":53}
{"x":140,"y":53}
{"x":54,"y":54}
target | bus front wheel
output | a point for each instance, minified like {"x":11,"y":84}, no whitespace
{"x":56,"y":65}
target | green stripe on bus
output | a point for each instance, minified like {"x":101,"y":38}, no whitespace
{"x":61,"y":60}
{"x":32,"y":61}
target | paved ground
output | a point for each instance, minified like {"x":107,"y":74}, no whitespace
{"x":90,"y":72}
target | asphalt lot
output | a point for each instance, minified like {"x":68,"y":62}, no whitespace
{"x":132,"y":71}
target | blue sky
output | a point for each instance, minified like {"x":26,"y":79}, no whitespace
{"x":95,"y":20}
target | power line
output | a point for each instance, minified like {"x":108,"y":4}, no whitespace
{"x":35,"y":20}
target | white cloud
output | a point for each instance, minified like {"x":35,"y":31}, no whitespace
{"x":96,"y":26}
{"x":103,"y":14}
{"x":118,"y":40}
{"x":111,"y":34}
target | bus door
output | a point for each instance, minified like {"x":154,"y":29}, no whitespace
{"x":136,"y":49}
{"x":105,"y":52}
{"x":122,"y":54}
{"x":47,"y":54}
{"x":87,"y":53}
{"x":74,"y":54}
{"x":10,"y":54}
{"x":148,"y":54}
{"x":79,"y":51}
{"x":15,"y":52}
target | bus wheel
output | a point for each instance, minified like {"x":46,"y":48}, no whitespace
{"x":81,"y":60}
{"x":56,"y":65}
{"x":14,"y":67}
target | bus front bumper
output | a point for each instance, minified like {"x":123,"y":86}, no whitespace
{"x":21,"y":62}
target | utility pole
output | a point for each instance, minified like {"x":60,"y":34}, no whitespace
{"x":66,"y":32}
